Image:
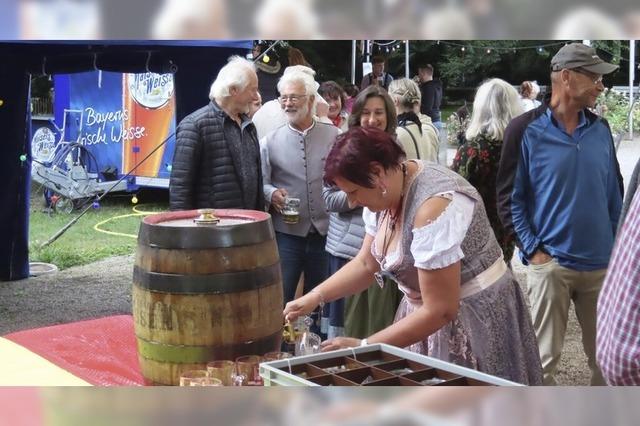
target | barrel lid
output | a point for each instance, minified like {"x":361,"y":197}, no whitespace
{"x":180,"y":229}
{"x":185,"y":218}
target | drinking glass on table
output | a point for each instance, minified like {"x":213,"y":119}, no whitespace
{"x":247,"y":371}
{"x":222,"y":370}
{"x":207,"y":381}
{"x":193,"y":377}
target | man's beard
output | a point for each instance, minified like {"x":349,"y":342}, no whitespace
{"x":301,"y":112}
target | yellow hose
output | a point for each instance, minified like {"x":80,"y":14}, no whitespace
{"x":138,"y":212}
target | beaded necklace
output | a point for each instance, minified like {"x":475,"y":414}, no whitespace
{"x":392,"y":220}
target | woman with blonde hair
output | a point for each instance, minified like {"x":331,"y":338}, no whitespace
{"x":477,"y":159}
{"x":415,"y":133}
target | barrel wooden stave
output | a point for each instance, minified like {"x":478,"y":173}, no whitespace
{"x":194,"y":305}
{"x":207,"y":319}
{"x":207,"y":261}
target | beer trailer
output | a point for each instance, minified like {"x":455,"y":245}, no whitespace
{"x":106,"y":125}
{"x":116,"y":106}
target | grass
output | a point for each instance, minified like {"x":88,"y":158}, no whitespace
{"x":81,"y":243}
{"x":446,"y":111}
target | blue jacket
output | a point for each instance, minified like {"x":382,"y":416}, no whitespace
{"x":558,"y":192}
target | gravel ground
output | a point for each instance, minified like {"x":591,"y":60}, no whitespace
{"x":104,"y":288}
{"x":91,"y":291}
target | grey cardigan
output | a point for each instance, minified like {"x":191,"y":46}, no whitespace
{"x":295,"y":161}
{"x":346,"y":227}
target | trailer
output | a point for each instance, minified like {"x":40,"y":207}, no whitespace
{"x":107,"y":126}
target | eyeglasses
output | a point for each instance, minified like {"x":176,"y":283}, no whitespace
{"x":595,"y":78}
{"x":294,"y":99}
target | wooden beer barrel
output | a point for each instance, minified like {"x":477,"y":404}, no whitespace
{"x":205,"y":292}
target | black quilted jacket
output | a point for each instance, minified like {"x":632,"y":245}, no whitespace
{"x":205,"y":169}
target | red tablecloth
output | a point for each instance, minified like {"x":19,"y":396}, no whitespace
{"x":102,"y":351}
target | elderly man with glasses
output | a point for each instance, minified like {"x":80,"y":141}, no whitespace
{"x":293,"y":158}
{"x":560,"y":191}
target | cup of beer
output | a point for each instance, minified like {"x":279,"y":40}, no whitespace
{"x":291,"y":210}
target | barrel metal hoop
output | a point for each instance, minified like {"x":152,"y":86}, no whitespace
{"x":214,"y":283}
{"x":175,"y":237}
{"x":183,"y":354}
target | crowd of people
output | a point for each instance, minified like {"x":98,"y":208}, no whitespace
{"x":393,"y":246}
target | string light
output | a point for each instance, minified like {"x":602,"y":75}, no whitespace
{"x":462,"y":48}
{"x":266,"y":58}
{"x":1,"y":102}
{"x":502,"y":48}
{"x":134,"y":200}
{"x":488,"y":51}
{"x":23,"y":158}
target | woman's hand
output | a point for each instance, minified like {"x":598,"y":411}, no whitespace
{"x":301,"y":306}
{"x":339,"y":343}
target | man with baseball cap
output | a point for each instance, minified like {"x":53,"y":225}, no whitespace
{"x":560,"y":192}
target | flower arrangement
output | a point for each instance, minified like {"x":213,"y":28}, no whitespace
{"x":457,"y":124}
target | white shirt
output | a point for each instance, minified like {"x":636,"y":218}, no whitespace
{"x":437,"y":244}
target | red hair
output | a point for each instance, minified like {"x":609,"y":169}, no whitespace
{"x":354,"y":153}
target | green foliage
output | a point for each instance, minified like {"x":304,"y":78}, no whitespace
{"x":456,"y":127}
{"x":611,"y":50}
{"x":41,"y":86}
{"x":81,"y":243}
{"x":463,"y":67}
{"x":614,"y":106}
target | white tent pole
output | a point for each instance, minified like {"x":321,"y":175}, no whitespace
{"x":353,"y":62}
{"x":632,"y":70}
{"x":406,"y":58}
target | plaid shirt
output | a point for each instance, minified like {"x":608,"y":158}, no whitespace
{"x":618,"y":334}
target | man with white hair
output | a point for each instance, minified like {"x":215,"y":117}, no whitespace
{"x":293,"y":158}
{"x":270,"y":116}
{"x":217,"y":158}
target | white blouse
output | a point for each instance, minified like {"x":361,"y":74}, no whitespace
{"x":437,"y":244}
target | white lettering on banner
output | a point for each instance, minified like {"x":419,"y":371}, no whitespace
{"x":134,"y":132}
{"x":94,"y":117}
{"x":151,"y":90}
{"x":99,"y":121}
{"x":95,"y":138}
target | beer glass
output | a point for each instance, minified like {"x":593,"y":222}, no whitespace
{"x":222,"y":370}
{"x":148,"y":108}
{"x":291,"y":210}
{"x":247,"y":371}
{"x":193,"y":377}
